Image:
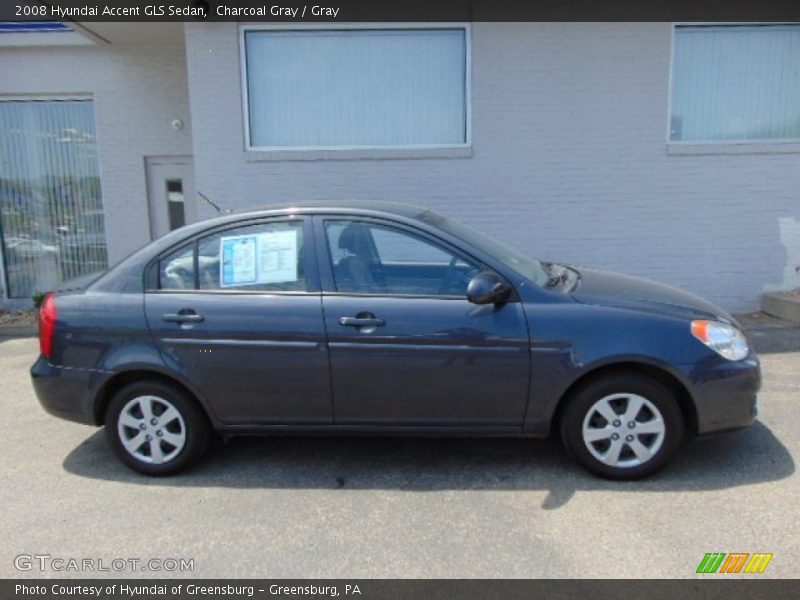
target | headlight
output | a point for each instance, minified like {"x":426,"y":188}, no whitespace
{"x":724,"y":339}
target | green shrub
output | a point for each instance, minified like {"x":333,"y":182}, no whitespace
{"x":38,"y":298}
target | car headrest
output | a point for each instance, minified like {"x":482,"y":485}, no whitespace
{"x":354,"y":238}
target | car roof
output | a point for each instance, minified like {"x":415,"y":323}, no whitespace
{"x":338,"y":206}
{"x":117,"y":278}
{"x":341,"y":207}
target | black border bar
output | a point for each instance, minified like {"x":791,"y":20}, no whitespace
{"x":751,"y":587}
{"x":726,"y":11}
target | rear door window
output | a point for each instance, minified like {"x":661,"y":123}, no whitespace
{"x":260,"y":257}
{"x":176,"y":270}
{"x":263,"y":257}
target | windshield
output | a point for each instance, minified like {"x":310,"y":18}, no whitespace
{"x":525,"y":266}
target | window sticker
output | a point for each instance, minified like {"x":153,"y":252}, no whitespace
{"x":277,"y":256}
{"x":255,"y":259}
{"x":238,"y":260}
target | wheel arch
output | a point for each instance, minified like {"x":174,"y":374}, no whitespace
{"x":674,"y":384}
{"x":119,"y":380}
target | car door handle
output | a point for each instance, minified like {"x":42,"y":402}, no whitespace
{"x":361,"y":322}
{"x":183,"y":317}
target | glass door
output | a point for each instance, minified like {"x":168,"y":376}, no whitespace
{"x":51,"y":210}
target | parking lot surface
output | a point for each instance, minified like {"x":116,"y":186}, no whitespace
{"x":387,"y":507}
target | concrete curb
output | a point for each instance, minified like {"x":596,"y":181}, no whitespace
{"x":782,"y":306}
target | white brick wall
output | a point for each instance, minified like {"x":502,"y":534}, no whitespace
{"x":569,"y":160}
{"x":569,"y":156}
{"x":137,"y":92}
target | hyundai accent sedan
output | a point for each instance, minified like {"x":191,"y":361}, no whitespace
{"x":369,"y":318}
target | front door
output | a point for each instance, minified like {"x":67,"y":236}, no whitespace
{"x":171,"y":193}
{"x":406,"y":346}
{"x":238,"y":312}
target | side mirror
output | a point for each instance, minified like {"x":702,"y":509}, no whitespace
{"x":488,"y":288}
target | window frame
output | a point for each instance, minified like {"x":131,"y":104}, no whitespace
{"x":356,"y":151}
{"x":328,"y":280}
{"x":740,"y":146}
{"x":152,"y":270}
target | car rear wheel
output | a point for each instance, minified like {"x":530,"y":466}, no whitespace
{"x":625,"y":426}
{"x":155,"y":428}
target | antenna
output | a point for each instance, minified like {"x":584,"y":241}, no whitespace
{"x":212,"y":203}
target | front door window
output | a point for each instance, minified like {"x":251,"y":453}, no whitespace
{"x":369,"y":258}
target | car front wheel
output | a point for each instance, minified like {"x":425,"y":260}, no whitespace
{"x":625,"y":426}
{"x":155,"y":428}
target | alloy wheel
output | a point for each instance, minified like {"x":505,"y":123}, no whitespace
{"x":151,"y":429}
{"x":623,"y":430}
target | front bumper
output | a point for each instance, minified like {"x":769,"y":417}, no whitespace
{"x":725,"y":393}
{"x":65,"y":392}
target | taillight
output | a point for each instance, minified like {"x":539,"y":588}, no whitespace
{"x":47,"y":324}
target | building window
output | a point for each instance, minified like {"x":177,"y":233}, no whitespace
{"x":176,"y":213}
{"x":356,"y":88}
{"x":736,"y":83}
{"x":51,"y":212}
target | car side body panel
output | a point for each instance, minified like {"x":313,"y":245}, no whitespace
{"x":102,"y":331}
{"x":434,"y":361}
{"x":98,"y":335}
{"x":258,"y":358}
{"x":570,"y":341}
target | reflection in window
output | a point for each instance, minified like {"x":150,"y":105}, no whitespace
{"x":176,"y":270}
{"x":51,"y":210}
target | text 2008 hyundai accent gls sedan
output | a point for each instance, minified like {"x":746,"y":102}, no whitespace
{"x":384,"y":319}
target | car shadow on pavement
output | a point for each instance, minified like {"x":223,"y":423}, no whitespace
{"x":752,"y":456}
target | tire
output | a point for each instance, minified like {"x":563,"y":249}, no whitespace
{"x":178,"y":429}
{"x":603,"y":430}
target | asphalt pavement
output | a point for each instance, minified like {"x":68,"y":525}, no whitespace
{"x":388,"y":507}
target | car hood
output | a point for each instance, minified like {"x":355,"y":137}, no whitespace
{"x":637,"y":293}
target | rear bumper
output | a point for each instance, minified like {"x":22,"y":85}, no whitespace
{"x":65,"y":392}
{"x":725,"y":394}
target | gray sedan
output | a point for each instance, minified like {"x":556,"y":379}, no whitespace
{"x":369,"y":318}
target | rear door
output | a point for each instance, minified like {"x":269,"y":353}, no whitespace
{"x":406,"y":346}
{"x":238,"y":312}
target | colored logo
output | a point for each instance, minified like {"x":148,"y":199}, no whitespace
{"x":734,"y":562}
